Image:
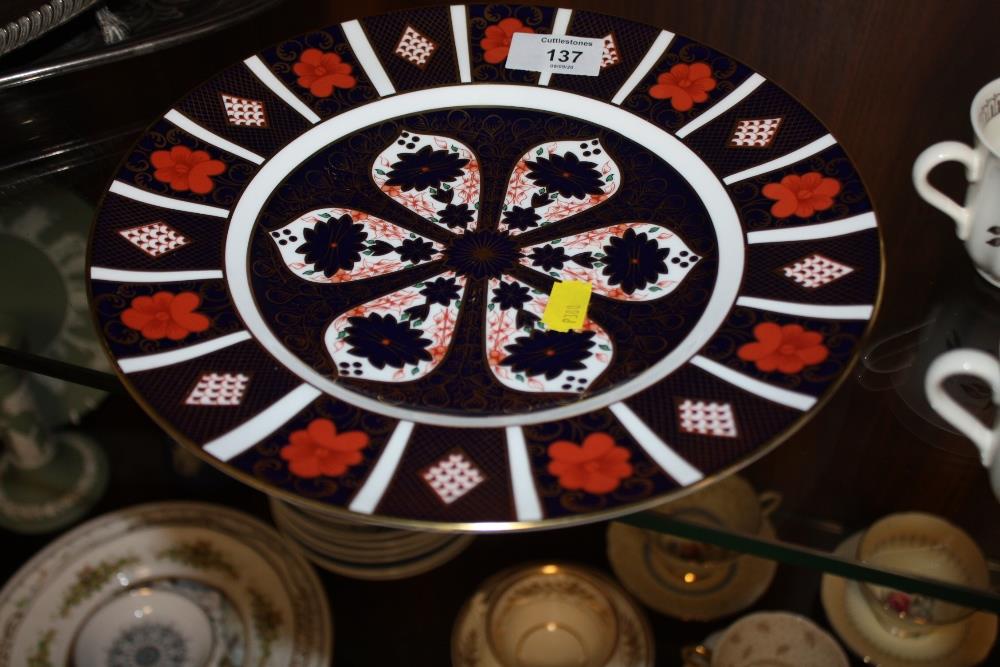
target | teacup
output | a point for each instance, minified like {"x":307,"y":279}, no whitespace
{"x":770,"y":639}
{"x":551,"y":616}
{"x":978,"y":222}
{"x":924,"y":545}
{"x":730,"y":503}
{"x":986,"y":367}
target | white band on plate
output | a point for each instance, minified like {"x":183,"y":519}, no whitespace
{"x":559,"y":27}
{"x":652,"y":57}
{"x":522,"y":480}
{"x":670,"y":461}
{"x":267,"y":77}
{"x":262,"y":424}
{"x":816,"y":310}
{"x":368,"y":498}
{"x":365,"y":54}
{"x":122,"y":276}
{"x":791,"y":399}
{"x":209,"y":137}
{"x":823,"y":230}
{"x":722,"y":106}
{"x":132,"y":192}
{"x":171,"y":357}
{"x":802,"y":153}
{"x":460,"y":31}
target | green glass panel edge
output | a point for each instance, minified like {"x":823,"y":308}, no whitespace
{"x":60,"y":370}
{"x":794,"y":554}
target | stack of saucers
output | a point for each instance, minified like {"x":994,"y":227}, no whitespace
{"x":364,"y":551}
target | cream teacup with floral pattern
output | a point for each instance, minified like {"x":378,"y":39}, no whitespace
{"x":924,"y":545}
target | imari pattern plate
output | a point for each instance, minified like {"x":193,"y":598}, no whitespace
{"x":327,"y":269}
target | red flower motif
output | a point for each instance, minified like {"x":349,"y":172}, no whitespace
{"x":598,"y":466}
{"x":788,"y":348}
{"x":320,"y":450}
{"x":684,"y":85}
{"x":899,"y":602}
{"x":321,"y":72}
{"x":496,"y":43}
{"x":802,"y":195}
{"x":165,"y":315}
{"x":184,"y":169}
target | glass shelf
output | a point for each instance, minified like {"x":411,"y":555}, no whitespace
{"x":813,"y":555}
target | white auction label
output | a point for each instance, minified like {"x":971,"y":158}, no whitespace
{"x":558,"y":54}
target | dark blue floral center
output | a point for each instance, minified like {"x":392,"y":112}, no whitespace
{"x":482,"y":254}
{"x":427,"y":168}
{"x":333,"y":245}
{"x":634,"y":261}
{"x":549,"y":353}
{"x":566,"y":174}
{"x":386,"y":341}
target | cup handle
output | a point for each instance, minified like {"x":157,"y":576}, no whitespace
{"x":947,"y":151}
{"x":965,"y":362}
{"x":696,"y":656}
{"x":769,"y":502}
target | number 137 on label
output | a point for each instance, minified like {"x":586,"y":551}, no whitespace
{"x":563,"y":55}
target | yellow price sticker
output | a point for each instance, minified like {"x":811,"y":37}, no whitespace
{"x":567,"y":306}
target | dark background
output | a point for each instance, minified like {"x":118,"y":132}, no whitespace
{"x":888,"y":78}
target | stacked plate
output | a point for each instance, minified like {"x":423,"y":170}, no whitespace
{"x":166,"y":584}
{"x":364,"y":551}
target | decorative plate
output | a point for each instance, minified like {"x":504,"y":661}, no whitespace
{"x":264,"y":604}
{"x":326,"y":269}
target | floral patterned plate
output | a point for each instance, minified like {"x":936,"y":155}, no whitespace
{"x":327,"y":268}
{"x":263,"y":600}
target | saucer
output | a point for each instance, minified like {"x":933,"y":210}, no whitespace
{"x":855,"y":623}
{"x":635,"y":647}
{"x":146,"y":627}
{"x":229,"y":568}
{"x":746,"y":579}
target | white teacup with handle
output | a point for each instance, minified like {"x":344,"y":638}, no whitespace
{"x":978,"y":364}
{"x":978,"y":221}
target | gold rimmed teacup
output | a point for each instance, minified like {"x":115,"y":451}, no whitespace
{"x":925,"y":545}
{"x":551,"y":616}
{"x":730,"y":503}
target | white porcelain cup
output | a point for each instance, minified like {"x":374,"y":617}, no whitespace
{"x":551,"y":616}
{"x":985,"y":367}
{"x":978,"y":221}
{"x":730,"y":503}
